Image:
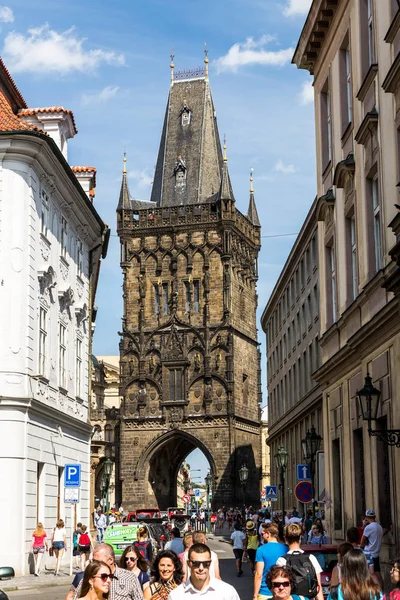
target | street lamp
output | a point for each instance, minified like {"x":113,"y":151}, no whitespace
{"x":105,"y":484}
{"x":243,"y":477}
{"x":368,"y":398}
{"x":281,"y":460}
{"x":208,"y":480}
{"x":310,"y":446}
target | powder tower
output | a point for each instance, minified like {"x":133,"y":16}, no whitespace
{"x":189,"y":357}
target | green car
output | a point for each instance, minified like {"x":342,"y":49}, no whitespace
{"x":121,"y":535}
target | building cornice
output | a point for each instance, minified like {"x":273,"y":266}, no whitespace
{"x":49,"y":413}
{"x":307,"y":404}
{"x":392,"y":79}
{"x":314,"y":33}
{"x":369,"y":124}
{"x":34,"y":147}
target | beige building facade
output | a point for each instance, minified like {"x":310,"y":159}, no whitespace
{"x":291,"y":323}
{"x":265,"y":455}
{"x":351,"y":49}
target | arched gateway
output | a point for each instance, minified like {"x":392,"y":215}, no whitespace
{"x":189,"y":358}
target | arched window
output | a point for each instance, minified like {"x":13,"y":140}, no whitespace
{"x":108,"y":433}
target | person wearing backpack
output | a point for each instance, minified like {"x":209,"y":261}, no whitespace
{"x":85,"y":546}
{"x":304,"y":565}
{"x":143,"y":544}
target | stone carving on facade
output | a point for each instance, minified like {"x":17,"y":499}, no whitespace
{"x":64,"y":269}
{"x":44,"y":248}
{"x":66,"y":299}
{"x":81,"y":315}
{"x":79,"y":288}
{"x":47,"y":280}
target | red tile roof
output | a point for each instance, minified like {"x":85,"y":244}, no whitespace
{"x":29,"y":112}
{"x":9,"y":121}
{"x":11,"y":80}
{"x":86,"y":170}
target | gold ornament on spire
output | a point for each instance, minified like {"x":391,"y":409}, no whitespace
{"x":124,"y":169}
{"x":225,"y":157}
{"x":206,"y":58}
{"x":251,"y":180}
{"x":172,"y":66}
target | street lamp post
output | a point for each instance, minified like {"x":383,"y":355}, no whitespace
{"x":105,"y":487}
{"x":243,"y":477}
{"x":281,"y":459}
{"x":208,"y":480}
{"x":368,"y":398}
{"x":310,"y":446}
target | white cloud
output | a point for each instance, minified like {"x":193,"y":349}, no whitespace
{"x":307,"y":93}
{"x":6,"y":14}
{"x":280,"y":167}
{"x":142,"y":178}
{"x":252,"y":52}
{"x":44,"y":49}
{"x":105,"y":94}
{"x":297,"y":7}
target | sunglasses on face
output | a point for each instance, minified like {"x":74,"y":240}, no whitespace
{"x":196,"y":563}
{"x":104,"y":576}
{"x":278,"y":584}
{"x":131,"y":558}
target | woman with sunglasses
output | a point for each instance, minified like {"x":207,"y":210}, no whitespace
{"x":96,"y":581}
{"x":281,"y":580}
{"x":166,"y":573}
{"x":133,"y":561}
{"x":395,"y":577}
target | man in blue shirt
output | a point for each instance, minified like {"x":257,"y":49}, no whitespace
{"x":266,"y":557}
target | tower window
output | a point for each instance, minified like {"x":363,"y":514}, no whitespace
{"x":180,"y":177}
{"x":188,"y":296}
{"x":196,"y":296}
{"x":176,"y":384}
{"x":165,"y":298}
{"x":186,"y":116}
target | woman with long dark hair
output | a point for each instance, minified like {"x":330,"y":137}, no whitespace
{"x":395,"y":577}
{"x":96,"y":581}
{"x":166,"y":573}
{"x":133,"y":561}
{"x":356,"y":581}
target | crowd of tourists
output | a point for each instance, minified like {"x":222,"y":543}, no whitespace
{"x":279,"y":566}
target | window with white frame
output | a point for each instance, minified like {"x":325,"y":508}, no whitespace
{"x":79,"y":258}
{"x":42,"y":340}
{"x":64,"y":237}
{"x":45,"y":214}
{"x":371,"y":40}
{"x":326,"y":125}
{"x":332,"y":284}
{"x":354,"y":262}
{"x":62,"y":355}
{"x":377,"y":222}
{"x":78,"y":367}
{"x":349,"y":93}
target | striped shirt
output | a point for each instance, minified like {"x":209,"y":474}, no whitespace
{"x":125,"y":585}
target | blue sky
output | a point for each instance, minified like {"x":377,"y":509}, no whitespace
{"x":108,"y":61}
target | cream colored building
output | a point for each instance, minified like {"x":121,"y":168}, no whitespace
{"x":351,"y":49}
{"x":104,"y":419}
{"x":265,"y":453}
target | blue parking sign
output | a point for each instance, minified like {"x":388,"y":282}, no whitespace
{"x":72,"y":476}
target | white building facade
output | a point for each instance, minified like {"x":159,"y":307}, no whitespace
{"x":51,"y":241}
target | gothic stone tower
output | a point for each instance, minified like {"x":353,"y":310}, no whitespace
{"x":189,"y":358}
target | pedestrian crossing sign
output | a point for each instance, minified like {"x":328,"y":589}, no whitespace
{"x":271,"y":492}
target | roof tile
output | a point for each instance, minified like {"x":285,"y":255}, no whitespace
{"x":30,"y":112}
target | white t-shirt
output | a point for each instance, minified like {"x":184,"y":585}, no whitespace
{"x":281,"y":562}
{"x":59,"y":534}
{"x":238,"y":538}
{"x":374,"y":532}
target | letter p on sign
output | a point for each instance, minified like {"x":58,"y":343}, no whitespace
{"x":72,"y":476}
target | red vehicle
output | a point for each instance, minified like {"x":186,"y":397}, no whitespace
{"x":327,"y":557}
{"x":143,"y":514}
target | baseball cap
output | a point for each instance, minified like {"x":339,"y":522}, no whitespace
{"x":370,"y":513}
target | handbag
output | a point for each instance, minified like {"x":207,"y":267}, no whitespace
{"x":51,"y":551}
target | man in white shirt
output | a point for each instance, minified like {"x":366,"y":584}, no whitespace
{"x":199,"y":537}
{"x":371,"y":541}
{"x":238,"y":539}
{"x":292,"y":538}
{"x":100,"y":522}
{"x":200,"y":582}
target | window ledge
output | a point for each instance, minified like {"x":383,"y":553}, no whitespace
{"x":79,"y":399}
{"x":45,"y":239}
{"x":64,"y":260}
{"x":392,"y":79}
{"x":326,"y":170}
{"x":346,"y":133}
{"x":393,"y":29}
{"x":43,"y":379}
{"x":366,"y":84}
{"x":63,"y":390}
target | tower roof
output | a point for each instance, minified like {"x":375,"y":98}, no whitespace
{"x":252,"y":213}
{"x":189,"y":167}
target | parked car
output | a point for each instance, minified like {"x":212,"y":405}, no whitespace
{"x":6,"y":573}
{"x":327,"y":557}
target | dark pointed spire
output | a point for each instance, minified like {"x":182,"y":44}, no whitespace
{"x":124,"y":195}
{"x":252,"y":213}
{"x":226,"y":190}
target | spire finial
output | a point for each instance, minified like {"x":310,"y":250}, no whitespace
{"x":225,"y":157}
{"x":206,"y":58}
{"x":124,"y":169}
{"x":172,"y":66}
{"x":251,"y":180}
